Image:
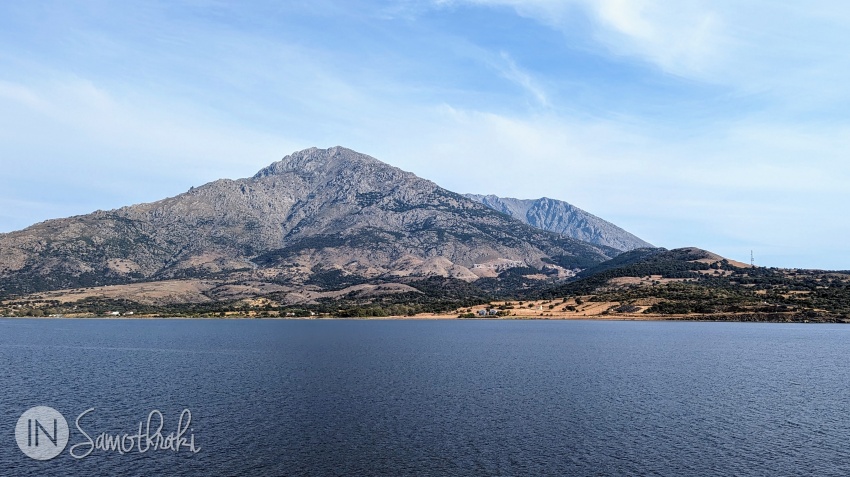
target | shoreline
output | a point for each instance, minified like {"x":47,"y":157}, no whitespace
{"x":655,"y":318}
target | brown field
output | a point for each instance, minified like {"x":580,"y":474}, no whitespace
{"x":558,"y":310}
{"x":169,"y":291}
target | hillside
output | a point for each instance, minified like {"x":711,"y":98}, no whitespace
{"x":691,"y":283}
{"x":644,"y":284}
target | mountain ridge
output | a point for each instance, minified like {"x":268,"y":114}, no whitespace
{"x":563,"y":218}
{"x":315,"y":213}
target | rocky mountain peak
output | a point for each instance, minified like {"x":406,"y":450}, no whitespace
{"x":332,"y":161}
{"x":563,"y":218}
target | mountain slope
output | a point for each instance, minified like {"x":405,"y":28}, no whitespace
{"x":321,"y":217}
{"x":563,"y":218}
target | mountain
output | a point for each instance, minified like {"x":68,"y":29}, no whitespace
{"x":563,"y":218}
{"x":319,"y":219}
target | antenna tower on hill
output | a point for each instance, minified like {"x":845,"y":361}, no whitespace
{"x":752,"y":259}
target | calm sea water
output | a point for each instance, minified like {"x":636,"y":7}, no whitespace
{"x":438,"y":397}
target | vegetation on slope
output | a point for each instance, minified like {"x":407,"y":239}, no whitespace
{"x":689,"y":284}
{"x":673,"y":284}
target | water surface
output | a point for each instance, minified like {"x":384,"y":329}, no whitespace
{"x":439,"y":397}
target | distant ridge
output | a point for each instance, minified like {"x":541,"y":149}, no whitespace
{"x":565,"y":219}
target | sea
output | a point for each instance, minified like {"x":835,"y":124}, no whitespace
{"x":172,"y":397}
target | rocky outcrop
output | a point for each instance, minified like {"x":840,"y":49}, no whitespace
{"x":563,"y":218}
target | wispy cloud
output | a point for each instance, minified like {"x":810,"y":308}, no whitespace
{"x":76,"y":144}
{"x":683,"y":37}
{"x":509,"y":69}
{"x":735,"y":188}
{"x":756,"y":47}
{"x":712,"y":123}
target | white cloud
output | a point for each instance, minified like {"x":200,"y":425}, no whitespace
{"x":682,"y":37}
{"x":514,"y":73}
{"x":752,"y":184}
{"x":20,"y":94}
{"x":75,"y":144}
{"x":168,"y":133}
{"x":220,"y":101}
{"x":790,"y":51}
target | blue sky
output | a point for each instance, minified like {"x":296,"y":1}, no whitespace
{"x":718,"y":124}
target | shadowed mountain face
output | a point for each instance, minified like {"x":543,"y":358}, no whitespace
{"x":565,"y":219}
{"x":318,"y":214}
